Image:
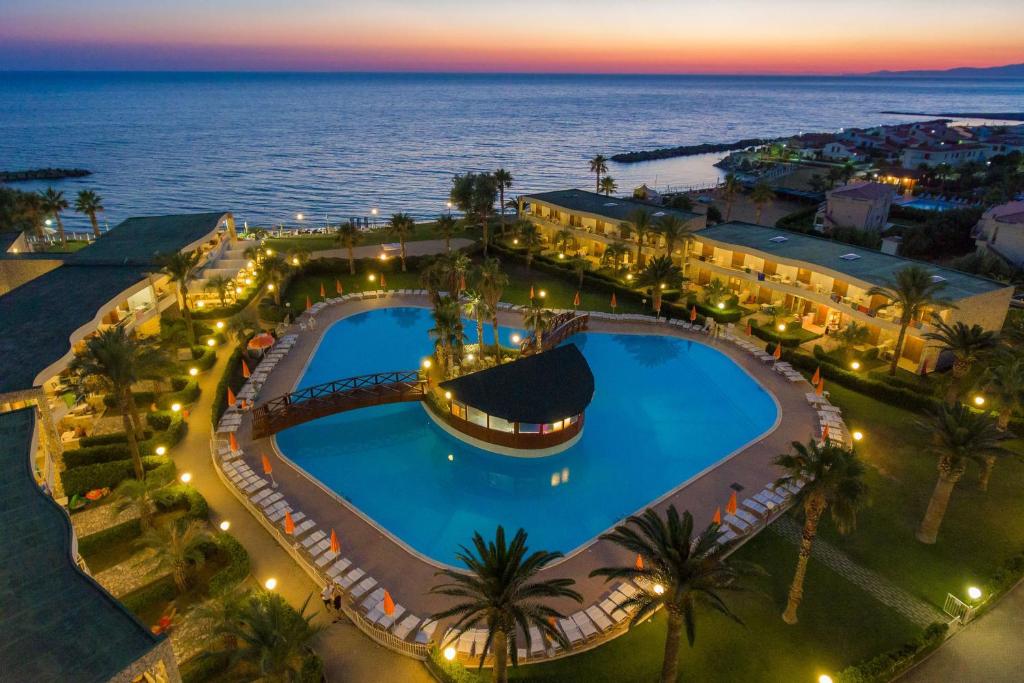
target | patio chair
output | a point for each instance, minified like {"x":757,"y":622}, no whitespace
{"x":425,"y":632}
{"x":571,"y":630}
{"x":406,"y":626}
{"x":598,"y":617}
{"x":585,"y":625}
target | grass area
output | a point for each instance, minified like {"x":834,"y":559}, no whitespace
{"x":70,"y":247}
{"x":381,"y":235}
{"x":764,"y":648}
{"x":980,"y":530}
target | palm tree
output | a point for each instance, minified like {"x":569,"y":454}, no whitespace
{"x":503,"y":179}
{"x":960,"y":435}
{"x":673,"y":229}
{"x":217,"y":615}
{"x":966,"y":344}
{"x":716,"y":291}
{"x":501,"y":593}
{"x":852,"y":335}
{"x":491,"y":281}
{"x":349,"y":234}
{"x":143,"y":495}
{"x":240,"y":325}
{"x":640,"y":222}
{"x":833,"y":480}
{"x":679,"y":571}
{"x":563,"y":238}
{"x":598,"y":165}
{"x":473,"y":194}
{"x":432,"y":279}
{"x":761,"y":195}
{"x":1005,"y":379}
{"x":607,"y":185}
{"x":276,"y":270}
{"x":178,"y":548}
{"x":446,"y":225}
{"x":221,"y":285}
{"x":117,"y":361}
{"x":529,"y":237}
{"x":181,"y":267}
{"x":273,"y":640}
{"x":580,"y":266}
{"x":912,"y":290}
{"x":476,"y":307}
{"x":538,"y":319}
{"x":659,"y":274}
{"x":455,"y":267}
{"x":730,"y":189}
{"x":614,"y":254}
{"x":447,"y":331}
{"x":88,"y":203}
{"x":401,"y":225}
{"x":52,"y":203}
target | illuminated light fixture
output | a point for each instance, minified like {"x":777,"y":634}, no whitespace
{"x":451,"y":457}
{"x":858,"y":435}
{"x":49,"y":222}
{"x":426,"y":363}
{"x":824,"y":678}
{"x":561,"y":256}
{"x":979,"y":400}
{"x":248,"y":280}
{"x":516,"y":339}
{"x":270,"y":287}
{"x":225,"y":525}
{"x":238,"y":290}
{"x":663,"y":285}
{"x":449,"y":653}
{"x":161,"y":450}
{"x":543,"y":293}
{"x":200,"y":304}
{"x":721,"y":305}
{"x":855,"y":365}
{"x":220,"y":324}
{"x":252,"y":264}
{"x":193,"y":371}
{"x":448,"y":395}
{"x":448,"y":204}
{"x":270,"y":252}
{"x":373,"y":211}
{"x":299,"y":216}
{"x":175,"y":407}
{"x":371,"y":277}
{"x":515,"y":241}
{"x":185,"y":477}
{"x":211,"y":343}
{"x":782,"y":327}
{"x":270,"y":584}
{"x":295,"y":260}
{"x":659,"y":589}
{"x":629,"y":276}
{"x":974,"y":593}
{"x":383,"y":257}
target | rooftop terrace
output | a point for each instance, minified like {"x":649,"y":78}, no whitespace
{"x":613,"y":208}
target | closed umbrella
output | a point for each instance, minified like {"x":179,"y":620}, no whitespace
{"x":576,"y":300}
{"x":531,"y":292}
{"x":309,"y":304}
{"x":245,"y":370}
{"x":820,"y":391}
{"x":233,"y":442}
{"x":639,"y":561}
{"x":289,"y":523}
{"x":383,"y":282}
{"x":231,"y":398}
{"x":337,"y":287}
{"x":717,"y":519}
{"x":778,"y":351}
{"x":730,"y":507}
{"x":323,"y":292}
{"x":750,"y":330}
{"x":817,"y":376}
{"x":389,"y":604}
{"x":693,"y":314}
{"x":824,"y":433}
{"x":335,"y":545}
{"x":614,"y":302}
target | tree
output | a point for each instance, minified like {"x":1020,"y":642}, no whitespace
{"x":503,"y":181}
{"x":143,"y":495}
{"x":491,"y":281}
{"x":473,"y":194}
{"x":88,"y":203}
{"x":240,"y":325}
{"x":959,"y":436}
{"x":580,"y":266}
{"x":117,"y":361}
{"x":538,"y":319}
{"x":349,"y":235}
{"x":446,"y":225}
{"x":277,"y":270}
{"x":273,"y":639}
{"x":673,"y":229}
{"x":852,"y":335}
{"x":966,"y":344}
{"x":52,"y":203}
{"x":178,"y":548}
{"x":833,"y":480}
{"x":1005,"y":379}
{"x":640,"y":222}
{"x":716,"y":291}
{"x":607,"y":185}
{"x":181,"y":268}
{"x":761,"y":195}
{"x":217,"y":615}
{"x":659,"y":274}
{"x":730,"y":189}
{"x":222,"y":285}
{"x":563,"y":238}
{"x":912,"y":290}
{"x":401,"y":226}
{"x":598,"y":165}
{"x":529,"y":237}
{"x":501,"y":592}
{"x":476,"y":307}
{"x":614,"y":253}
{"x":447,"y":331}
{"x":689,"y":570}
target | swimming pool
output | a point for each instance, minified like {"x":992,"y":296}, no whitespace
{"x":929,"y":204}
{"x":664,"y":409}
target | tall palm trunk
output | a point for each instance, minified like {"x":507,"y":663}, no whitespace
{"x":497,"y":341}
{"x":757,"y":217}
{"x":126,"y":404}
{"x":95,"y":225}
{"x":960,"y":370}
{"x":480,"y":334}
{"x":1003,"y":421}
{"x":402,"y":240}
{"x":501,"y":206}
{"x":812,"y":515}
{"x":657,"y":301}
{"x":499,"y":644}
{"x":898,"y":350}
{"x":483,"y":234}
{"x":539,"y":335}
{"x":928,"y":532}
{"x":597,"y":184}
{"x":728,"y":208}
{"x":351,"y":261}
{"x":60,"y":230}
{"x":986,"y":472}
{"x":186,"y":313}
{"x":670,"y":664}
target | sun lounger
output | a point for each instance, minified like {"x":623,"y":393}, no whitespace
{"x":740,"y":525}
{"x":302,"y":528}
{"x":339,"y":567}
{"x":727,"y":536}
{"x":612,"y":610}
{"x":536,"y":642}
{"x":373,"y":599}
{"x":747,"y":517}
{"x":426,"y":632}
{"x":571,"y":630}
{"x":584,"y":623}
{"x":363,"y":586}
{"x":627,"y":589}
{"x":325,"y":559}
{"x":314,"y":538}
{"x":406,"y":626}
{"x":386,"y":621}
{"x":751,"y":504}
{"x":598,"y":617}
{"x":351,"y":578}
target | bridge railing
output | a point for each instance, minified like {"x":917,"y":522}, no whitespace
{"x":563,"y":326}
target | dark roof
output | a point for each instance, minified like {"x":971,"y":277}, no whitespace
{"x":865,"y":191}
{"x":38,"y":318}
{"x":136,"y":241}
{"x":58,"y":624}
{"x":614,"y":208}
{"x":870,"y":266}
{"x":537,"y":389}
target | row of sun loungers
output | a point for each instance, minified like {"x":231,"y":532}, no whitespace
{"x":232,"y":418}
{"x":757,"y":350}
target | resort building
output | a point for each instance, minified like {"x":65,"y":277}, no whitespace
{"x":533,"y":405}
{"x":1001,"y":230}
{"x":59,"y":624}
{"x":932,"y":155}
{"x":823,"y":285}
{"x":596,"y":221}
{"x":840,"y":150}
{"x":864,"y":206}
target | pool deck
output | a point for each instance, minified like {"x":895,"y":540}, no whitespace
{"x":408,"y":576}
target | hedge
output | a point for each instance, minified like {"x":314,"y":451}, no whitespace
{"x":115,"y":535}
{"x":92,"y":455}
{"x":232,"y":377}
{"x":787,"y":340}
{"x":81,"y":480}
{"x":888,"y":665}
{"x":237,"y":568}
{"x":204,"y":667}
{"x":142,"y":398}
{"x":203,"y":357}
{"x":104,"y":439}
{"x":161,"y":590}
{"x":185,"y":396}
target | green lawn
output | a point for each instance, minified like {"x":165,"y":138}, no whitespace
{"x":423,"y":231}
{"x":69,"y":247}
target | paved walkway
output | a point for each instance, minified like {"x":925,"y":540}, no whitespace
{"x":875,"y":585}
{"x":985,"y":651}
{"x":408,"y":576}
{"x":417,"y":248}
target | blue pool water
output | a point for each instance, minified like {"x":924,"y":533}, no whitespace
{"x":664,"y":409}
{"x":929,"y":205}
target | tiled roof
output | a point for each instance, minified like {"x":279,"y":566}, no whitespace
{"x":864,"y":191}
{"x":137,"y":241}
{"x":612,"y":208}
{"x":1012,"y":212}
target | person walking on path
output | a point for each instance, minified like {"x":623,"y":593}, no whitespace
{"x":326,"y":595}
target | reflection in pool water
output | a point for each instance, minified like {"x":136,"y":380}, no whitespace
{"x":664,"y":409}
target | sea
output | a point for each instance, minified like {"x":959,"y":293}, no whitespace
{"x":334,"y":146}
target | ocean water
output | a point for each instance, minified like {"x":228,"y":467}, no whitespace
{"x":334,"y":146}
{"x":664,"y":409}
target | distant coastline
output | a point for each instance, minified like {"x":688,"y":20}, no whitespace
{"x":42,"y":174}
{"x":687,"y":150}
{"x":992,"y":116}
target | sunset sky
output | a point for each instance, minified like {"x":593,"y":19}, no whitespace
{"x":613,"y":36}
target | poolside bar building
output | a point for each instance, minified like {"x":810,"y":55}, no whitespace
{"x":535,"y":404}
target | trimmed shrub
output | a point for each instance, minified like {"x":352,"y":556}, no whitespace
{"x":161,"y":590}
{"x":232,"y":377}
{"x":203,"y":357}
{"x":105,"y":439}
{"x":187,"y":395}
{"x":888,"y":665}
{"x":82,"y":479}
{"x":787,"y":340}
{"x":237,"y":567}
{"x":92,"y":455}
{"x":204,"y":667}
{"x":142,"y":398}
{"x":111,"y":536}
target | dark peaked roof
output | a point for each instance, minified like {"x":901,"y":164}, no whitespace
{"x":58,"y":624}
{"x":537,"y":389}
{"x":865,"y":191}
{"x":136,"y":241}
{"x":613,"y":208}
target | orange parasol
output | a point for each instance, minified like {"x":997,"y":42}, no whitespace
{"x":730,"y":507}
{"x":383,"y":282}
{"x":309,"y":304}
{"x":289,"y":523}
{"x":614,"y":302}
{"x":531,"y":292}
{"x":231,"y":398}
{"x":576,"y":299}
{"x":824,"y":433}
{"x":717,"y":519}
{"x":335,"y":545}
{"x":389,"y":604}
{"x":262,"y":341}
{"x":820,"y":391}
{"x":639,"y":561}
{"x":338,"y":287}
{"x":778,"y":351}
{"x":267,"y":469}
{"x":323,"y":292}
{"x":462,"y":282}
{"x":750,"y":330}
{"x":245,"y":370}
{"x":817,"y":376}
{"x":693,"y":314}
{"x":232,"y":441}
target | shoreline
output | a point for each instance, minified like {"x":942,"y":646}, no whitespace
{"x":990,"y":116}
{"x":687,"y":150}
{"x":42,"y":174}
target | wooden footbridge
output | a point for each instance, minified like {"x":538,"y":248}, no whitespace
{"x":563,"y":326}
{"x":336,"y":397}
